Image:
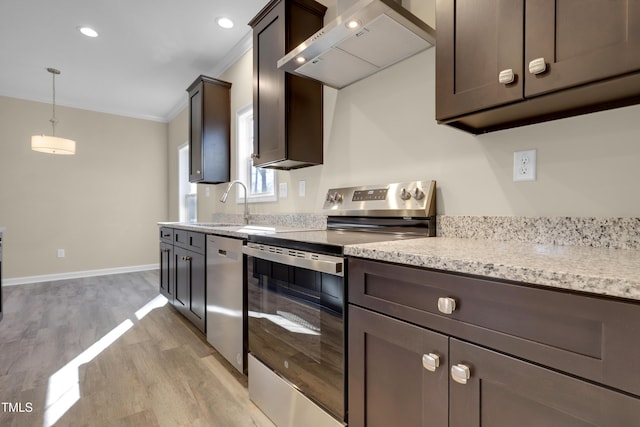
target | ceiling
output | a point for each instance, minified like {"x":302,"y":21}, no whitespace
{"x":146,"y":55}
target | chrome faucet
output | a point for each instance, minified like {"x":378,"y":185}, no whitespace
{"x":223,"y":199}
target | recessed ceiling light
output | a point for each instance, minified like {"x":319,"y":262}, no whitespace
{"x":88,"y":31}
{"x":301,"y":59}
{"x":353,"y":24}
{"x":225,"y":23}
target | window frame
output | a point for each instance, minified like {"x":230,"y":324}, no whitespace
{"x":245,"y":171}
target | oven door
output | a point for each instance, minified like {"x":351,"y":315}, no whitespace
{"x":296,"y":320}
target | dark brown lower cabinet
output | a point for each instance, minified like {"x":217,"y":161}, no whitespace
{"x":190,"y":284}
{"x":388,"y":385}
{"x":393,"y":380}
{"x":504,"y":391}
{"x":167,"y":282}
{"x":429,"y":348}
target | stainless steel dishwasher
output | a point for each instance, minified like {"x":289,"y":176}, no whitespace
{"x":226,"y":301}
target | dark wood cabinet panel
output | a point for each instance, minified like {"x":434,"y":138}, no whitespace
{"x":167,"y":281}
{"x":580,"y":41}
{"x":183,"y":273}
{"x":481,"y":38}
{"x":591,"y":52}
{"x":388,"y":384}
{"x":287,"y":108}
{"x":182,"y":279}
{"x":584,"y":335}
{"x":510,"y":354}
{"x":190,"y":285}
{"x":504,"y":391}
{"x":209,"y":130}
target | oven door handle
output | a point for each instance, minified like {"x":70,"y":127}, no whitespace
{"x":321,"y":263}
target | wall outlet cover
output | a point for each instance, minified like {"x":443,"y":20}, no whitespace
{"x":302,"y":188}
{"x":524,"y":165}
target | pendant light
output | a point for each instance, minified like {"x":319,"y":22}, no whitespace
{"x":52,"y":144}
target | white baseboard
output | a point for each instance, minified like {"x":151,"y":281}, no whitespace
{"x":77,"y":274}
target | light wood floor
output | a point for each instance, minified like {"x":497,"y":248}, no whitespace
{"x":157,"y":370}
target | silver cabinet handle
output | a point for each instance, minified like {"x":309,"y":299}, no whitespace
{"x":446,"y":305}
{"x":506,"y":76}
{"x":430,"y":362}
{"x":537,"y":66}
{"x":255,"y":156}
{"x":460,"y":373}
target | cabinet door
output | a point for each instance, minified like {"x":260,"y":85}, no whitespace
{"x":195,"y":134}
{"x":269,"y":87}
{"x":182,"y":279}
{"x":580,"y":41}
{"x":388,"y":383}
{"x":197,"y":297}
{"x":477,"y":39}
{"x":166,"y":270}
{"x":503,"y":391}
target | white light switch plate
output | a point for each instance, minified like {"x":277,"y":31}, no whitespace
{"x":282,"y":190}
{"x":302,"y":188}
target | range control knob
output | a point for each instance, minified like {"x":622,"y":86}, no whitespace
{"x":329,"y":198}
{"x":418,"y":194}
{"x":338,"y":197}
{"x":404,"y":194}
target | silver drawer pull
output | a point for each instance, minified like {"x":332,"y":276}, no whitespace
{"x":537,"y":66}
{"x":460,"y":373}
{"x":446,"y":305}
{"x":506,"y":76}
{"x":430,"y":362}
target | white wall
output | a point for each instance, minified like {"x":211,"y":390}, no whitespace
{"x":382,"y":129}
{"x":100,"y":205}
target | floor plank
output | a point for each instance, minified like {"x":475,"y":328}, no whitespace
{"x":155,"y":371}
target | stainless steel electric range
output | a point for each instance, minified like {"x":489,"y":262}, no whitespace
{"x":297,"y":297}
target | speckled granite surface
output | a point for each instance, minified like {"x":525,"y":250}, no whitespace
{"x":236,"y":230}
{"x":622,"y":233}
{"x":606,"y":271}
{"x":298,"y":220}
{"x":231,"y":224}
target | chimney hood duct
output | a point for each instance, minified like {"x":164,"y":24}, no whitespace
{"x":338,"y":55}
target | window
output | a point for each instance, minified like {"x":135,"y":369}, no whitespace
{"x":187,"y":191}
{"x":261,"y":183}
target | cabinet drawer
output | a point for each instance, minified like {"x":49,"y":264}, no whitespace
{"x":190,"y":240}
{"x":166,"y":234}
{"x":588,"y":336}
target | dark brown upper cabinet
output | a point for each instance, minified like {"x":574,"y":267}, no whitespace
{"x":209,"y":130}
{"x":567,"y":57}
{"x":287,"y":108}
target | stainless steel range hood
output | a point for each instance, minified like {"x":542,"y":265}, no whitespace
{"x":384,"y":33}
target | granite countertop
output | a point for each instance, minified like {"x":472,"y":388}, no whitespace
{"x":240,"y":231}
{"x":605,"y":271}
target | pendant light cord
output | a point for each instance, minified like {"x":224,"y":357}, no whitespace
{"x":53,"y":120}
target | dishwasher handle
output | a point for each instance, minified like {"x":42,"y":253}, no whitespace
{"x":312,"y":261}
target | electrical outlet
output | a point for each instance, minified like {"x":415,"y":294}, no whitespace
{"x":60,"y":253}
{"x":302,"y":187}
{"x":524,"y":165}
